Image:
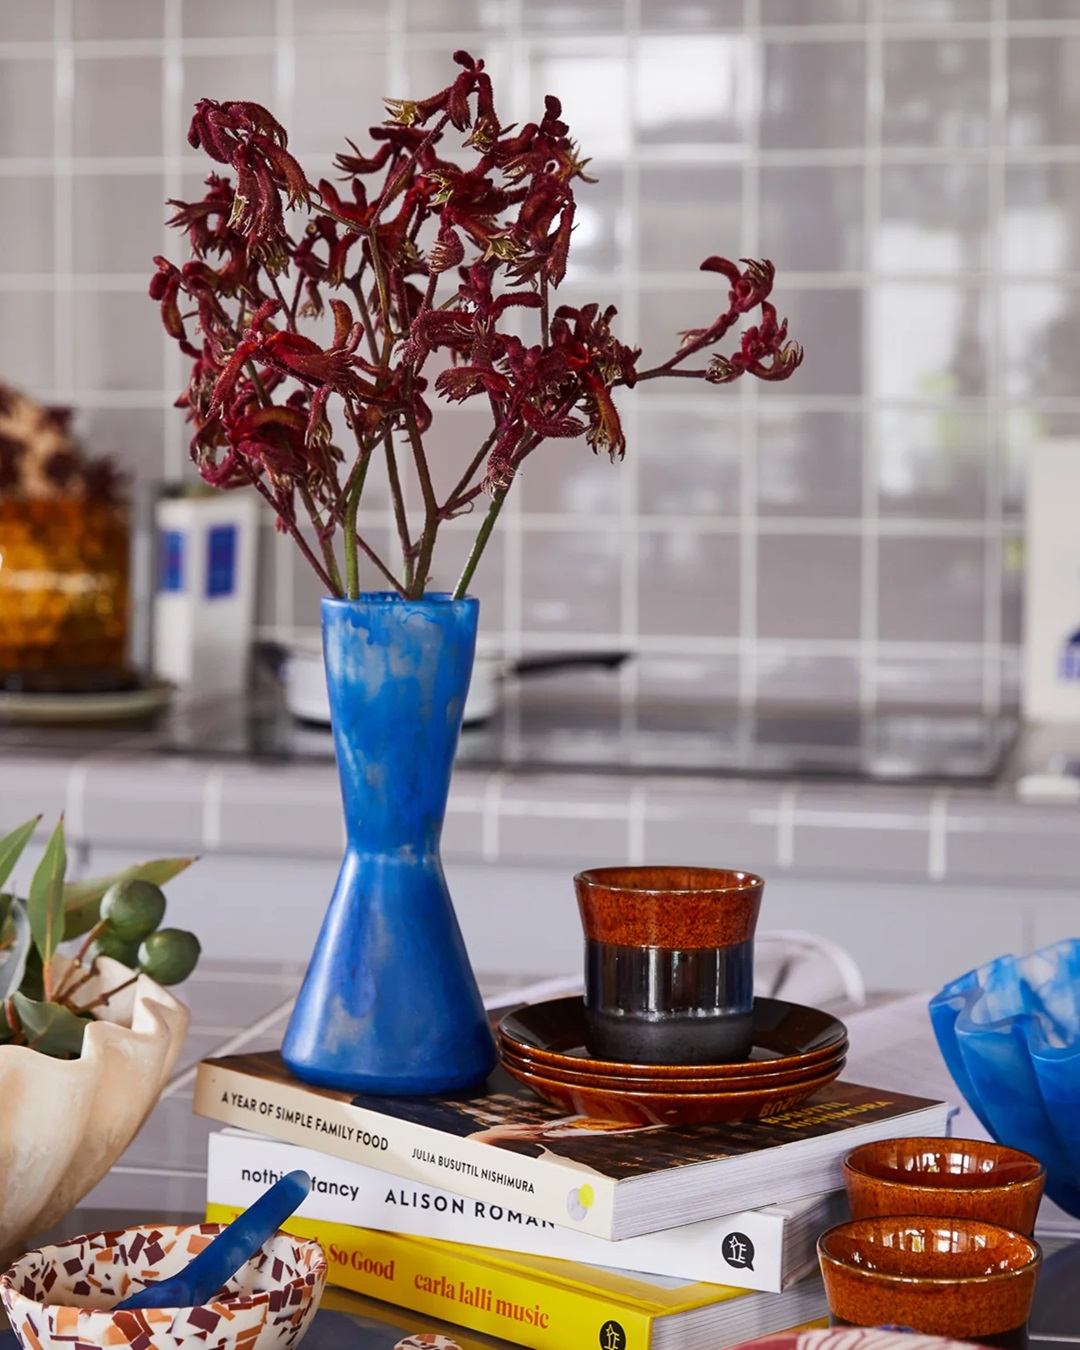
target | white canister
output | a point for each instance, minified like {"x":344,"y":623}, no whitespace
{"x":1052,"y":582}
{"x":204,"y":601}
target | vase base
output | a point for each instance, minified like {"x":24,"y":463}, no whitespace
{"x":373,"y":1085}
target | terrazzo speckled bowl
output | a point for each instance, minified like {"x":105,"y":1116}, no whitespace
{"x":1010,"y":1035}
{"x":60,"y":1296}
{"x":948,"y":1277}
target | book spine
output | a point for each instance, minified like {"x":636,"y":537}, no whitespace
{"x":749,"y":1250}
{"x":545,"y":1189}
{"x":440,"y":1282}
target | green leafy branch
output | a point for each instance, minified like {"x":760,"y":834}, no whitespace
{"x":117,"y":916}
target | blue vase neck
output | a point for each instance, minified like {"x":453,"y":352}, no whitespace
{"x":397,"y":673}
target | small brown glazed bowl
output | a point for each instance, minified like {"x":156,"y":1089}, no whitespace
{"x":669,"y":962}
{"x":948,"y":1277}
{"x":957,"y":1178}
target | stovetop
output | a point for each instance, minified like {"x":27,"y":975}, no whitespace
{"x":898,"y":745}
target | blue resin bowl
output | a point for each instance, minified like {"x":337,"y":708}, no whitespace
{"x":1010,"y":1035}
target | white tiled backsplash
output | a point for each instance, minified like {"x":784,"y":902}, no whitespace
{"x":911,"y":166}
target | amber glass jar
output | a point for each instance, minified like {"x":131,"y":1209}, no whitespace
{"x":64,"y":586}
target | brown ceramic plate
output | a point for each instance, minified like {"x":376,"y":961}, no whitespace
{"x":671,"y":1108}
{"x":786,"y":1036}
{"x":586,"y":1077}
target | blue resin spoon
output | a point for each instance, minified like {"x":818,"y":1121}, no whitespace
{"x":202,"y":1277}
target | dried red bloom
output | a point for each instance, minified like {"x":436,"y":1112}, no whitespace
{"x":420,"y":256}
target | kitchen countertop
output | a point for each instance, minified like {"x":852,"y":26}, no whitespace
{"x":117,"y":788}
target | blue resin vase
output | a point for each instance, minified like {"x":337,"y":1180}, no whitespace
{"x":389,"y":1004}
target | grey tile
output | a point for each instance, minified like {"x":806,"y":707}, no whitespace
{"x":308,"y":589}
{"x":37,"y":788}
{"x":250,"y":76}
{"x":142,"y":1192}
{"x":929,"y":680}
{"x":173,"y":1137}
{"x":565,"y":477}
{"x":547,"y":821}
{"x":119,"y":343}
{"x":333,"y":18}
{"x":688,"y":583}
{"x":808,"y":586}
{"x":931,"y":590}
{"x":282,"y":810}
{"x":688,"y":460}
{"x":811,"y":217}
{"x":220,"y":996}
{"x":270,"y":548}
{"x":119,"y":221}
{"x":26,"y":235}
{"x":687,"y":213}
{"x":837,"y":830}
{"x":26,"y":108}
{"x":1040,"y":229}
{"x":933,"y":218}
{"x":1040,"y":321}
{"x":812,"y":11}
{"x":135,"y":806}
{"x":117,"y":106}
{"x":488,"y":584}
{"x":932,"y":465}
{"x":932,"y":11}
{"x":572,"y":581}
{"x":1041,"y":108}
{"x":593,"y":81}
{"x":809,"y":463}
{"x":712,"y":825}
{"x":463,"y":833}
{"x":698,"y":108}
{"x":132,"y":437}
{"x":813,"y":95}
{"x":339,"y":89}
{"x":794,"y":678}
{"x":118,"y":19}
{"x":937,"y":92}
{"x":985,"y":839}
{"x":829,"y":324}
{"x":26,"y":338}
{"x":567,"y":16}
{"x":26,"y":23}
{"x":684,"y":680}
{"x":692,"y":14}
{"x":929,"y":340}
{"x":239,"y":18}
{"x":667,"y":311}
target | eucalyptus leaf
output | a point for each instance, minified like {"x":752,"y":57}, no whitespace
{"x":82,"y":899}
{"x":13,"y":957}
{"x":49,"y":1027}
{"x":46,"y":901}
{"x":32,"y":983}
{"x":12,"y":845}
{"x":5,"y":910}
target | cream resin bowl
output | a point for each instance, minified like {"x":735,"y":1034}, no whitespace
{"x":63,"y":1123}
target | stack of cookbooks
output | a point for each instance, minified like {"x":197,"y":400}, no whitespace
{"x":502,"y":1214}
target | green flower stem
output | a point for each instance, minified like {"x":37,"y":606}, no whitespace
{"x":398,"y":498}
{"x":484,"y":533}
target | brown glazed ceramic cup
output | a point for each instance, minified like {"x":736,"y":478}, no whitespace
{"x":960,"y":1278}
{"x":958,"y":1178}
{"x":669,"y":963}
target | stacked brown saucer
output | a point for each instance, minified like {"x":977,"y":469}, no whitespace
{"x":796,"y":1051}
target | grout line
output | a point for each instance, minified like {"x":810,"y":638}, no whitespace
{"x":489,"y":835}
{"x":213,"y":792}
{"x":231,"y":1047}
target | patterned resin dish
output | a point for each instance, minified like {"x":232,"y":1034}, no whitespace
{"x":786,"y":1036}
{"x":62,"y":1296}
{"x":709,"y":1105}
{"x":1010,"y":1035}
